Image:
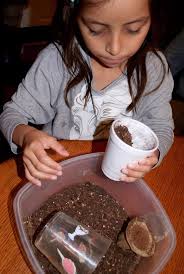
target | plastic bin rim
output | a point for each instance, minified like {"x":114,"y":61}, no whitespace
{"x":28,"y":185}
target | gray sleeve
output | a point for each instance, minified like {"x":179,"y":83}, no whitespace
{"x":154,"y":108}
{"x":35,"y":98}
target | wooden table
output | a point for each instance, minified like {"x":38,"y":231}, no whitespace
{"x":167,"y":181}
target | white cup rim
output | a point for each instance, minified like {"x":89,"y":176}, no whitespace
{"x":119,"y":142}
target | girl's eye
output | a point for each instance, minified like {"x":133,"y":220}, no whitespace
{"x":133,"y":31}
{"x":94,"y":32}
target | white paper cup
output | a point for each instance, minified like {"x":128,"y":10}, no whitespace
{"x":118,"y":154}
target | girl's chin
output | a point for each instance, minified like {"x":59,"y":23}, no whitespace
{"x":111,"y":64}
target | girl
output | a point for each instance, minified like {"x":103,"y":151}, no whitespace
{"x":102,"y":66}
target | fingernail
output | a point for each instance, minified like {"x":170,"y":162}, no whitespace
{"x":53,"y":177}
{"x":59,"y":173}
{"x":122,"y":178}
{"x":65,"y":153}
{"x":38,"y":183}
{"x":124,"y":170}
{"x":141,"y":162}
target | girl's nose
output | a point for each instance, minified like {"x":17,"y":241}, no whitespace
{"x":113,"y":47}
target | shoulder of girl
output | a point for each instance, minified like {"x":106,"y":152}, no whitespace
{"x":50,"y":49}
{"x":156,"y":63}
{"x":155,"y":57}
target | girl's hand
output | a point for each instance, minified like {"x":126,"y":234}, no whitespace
{"x":138,"y":170}
{"x":38,"y":165}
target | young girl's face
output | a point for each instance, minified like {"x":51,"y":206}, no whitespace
{"x":114,"y":30}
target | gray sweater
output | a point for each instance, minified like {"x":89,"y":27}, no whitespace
{"x":40,"y":100}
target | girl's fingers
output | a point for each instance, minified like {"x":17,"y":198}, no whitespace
{"x":41,"y":161}
{"x":38,"y":165}
{"x":133,"y":173}
{"x":39,"y":157}
{"x":56,"y":146}
{"x":137,"y":168}
{"x":43,"y":157}
{"x":126,"y":179}
{"x":150,"y":160}
{"x":36,"y":173}
{"x":42,"y":166}
{"x":143,"y":165}
{"x":30,"y":178}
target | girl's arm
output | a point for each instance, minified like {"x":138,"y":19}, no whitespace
{"x":20,"y":132}
{"x":154,"y":110}
{"x":35,"y":100}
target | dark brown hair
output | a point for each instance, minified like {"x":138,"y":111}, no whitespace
{"x":68,"y":36}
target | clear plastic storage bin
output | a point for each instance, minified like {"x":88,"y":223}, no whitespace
{"x":137,"y":199}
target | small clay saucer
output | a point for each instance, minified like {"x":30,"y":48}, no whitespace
{"x":140,"y":238}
